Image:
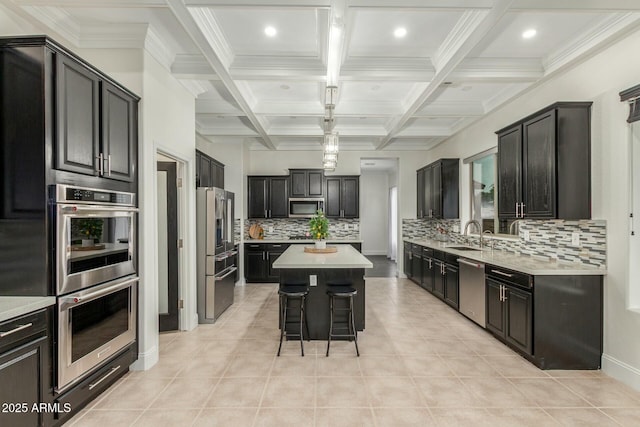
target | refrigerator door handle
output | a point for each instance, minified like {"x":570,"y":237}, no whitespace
{"x":230,"y":271}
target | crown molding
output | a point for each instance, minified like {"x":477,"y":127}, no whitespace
{"x":206,"y":21}
{"x":498,"y":69}
{"x":58,"y":20}
{"x":192,"y":66}
{"x":196,"y":87}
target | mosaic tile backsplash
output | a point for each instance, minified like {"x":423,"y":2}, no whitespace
{"x":339,"y":228}
{"x":549,"y":239}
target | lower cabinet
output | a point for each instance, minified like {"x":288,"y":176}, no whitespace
{"x":438,"y":280}
{"x":451,"y":285}
{"x":428,"y":269}
{"x":408,"y":261}
{"x":416,"y":264}
{"x":25,"y":370}
{"x":510,"y":314}
{"x":273,"y":253}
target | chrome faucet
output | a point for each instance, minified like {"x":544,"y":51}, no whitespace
{"x":478,"y":226}
{"x":491,"y":241}
{"x":515,"y":226}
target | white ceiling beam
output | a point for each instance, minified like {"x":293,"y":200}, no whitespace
{"x":213,"y":56}
{"x":93,"y":3}
{"x":498,"y":70}
{"x":578,"y":6}
{"x":468,"y":32}
{"x":258,"y":3}
{"x":451,"y":109}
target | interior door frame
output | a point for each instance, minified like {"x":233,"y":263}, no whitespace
{"x":183,"y":166}
{"x":170,"y":321}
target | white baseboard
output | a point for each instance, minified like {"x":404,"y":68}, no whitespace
{"x":146,"y":360}
{"x":375,"y":253}
{"x":621,"y":371}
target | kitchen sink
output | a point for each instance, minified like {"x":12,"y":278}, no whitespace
{"x":463,"y":248}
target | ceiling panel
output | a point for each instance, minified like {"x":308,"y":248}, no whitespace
{"x":554,"y":29}
{"x":372,"y":32}
{"x":298,"y":30}
{"x":285,"y":91}
{"x":377,"y":91}
{"x":469,"y":92}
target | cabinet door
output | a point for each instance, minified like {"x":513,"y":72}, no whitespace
{"x":350,"y":202}
{"x":438,"y":281}
{"x":119,"y":131}
{"x":436,"y":190}
{"x":420,"y":193}
{"x":205,"y":171}
{"x":495,"y":309}
{"x":428,"y":192}
{"x":273,"y":274}
{"x":450,"y":189}
{"x":217,"y":174}
{"x":428,"y":273}
{"x":198,"y":156}
{"x":416,"y":269}
{"x":408,"y":265}
{"x":21,"y":376}
{"x":451,"y":285}
{"x":539,"y":166}
{"x":278,"y":197}
{"x":254,"y":266}
{"x":298,"y":184}
{"x":509,"y":171}
{"x":332,"y":201}
{"x":314,"y":187}
{"x":77,"y":117}
{"x":519,"y":306}
{"x":257,"y":196}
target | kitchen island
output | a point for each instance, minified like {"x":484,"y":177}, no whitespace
{"x":317,"y":270}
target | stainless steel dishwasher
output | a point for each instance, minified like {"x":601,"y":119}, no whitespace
{"x":472,"y":290}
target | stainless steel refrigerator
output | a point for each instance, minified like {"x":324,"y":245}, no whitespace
{"x":216,"y":254}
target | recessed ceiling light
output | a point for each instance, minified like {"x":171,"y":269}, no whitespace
{"x":285,"y":87}
{"x":530,"y":33}
{"x":400,"y":32}
{"x":270,"y":31}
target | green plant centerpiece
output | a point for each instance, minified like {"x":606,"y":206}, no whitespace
{"x":319,"y":229}
{"x":90,"y":229}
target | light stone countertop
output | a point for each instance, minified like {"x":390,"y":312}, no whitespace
{"x":284,"y":240}
{"x":346,"y":257}
{"x":11,"y":307}
{"x":523,"y":263}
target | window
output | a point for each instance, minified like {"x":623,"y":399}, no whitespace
{"x":483,"y":189}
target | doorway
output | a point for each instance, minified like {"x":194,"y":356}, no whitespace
{"x":167,"y":238}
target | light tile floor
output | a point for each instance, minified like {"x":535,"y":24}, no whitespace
{"x":421,"y":364}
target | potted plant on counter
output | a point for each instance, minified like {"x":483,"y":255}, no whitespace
{"x":319,"y":229}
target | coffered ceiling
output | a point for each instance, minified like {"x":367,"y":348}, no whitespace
{"x":410,"y":73}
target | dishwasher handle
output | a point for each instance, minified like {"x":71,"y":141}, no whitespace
{"x":470,"y":264}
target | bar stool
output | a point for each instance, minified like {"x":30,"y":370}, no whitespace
{"x":342,"y":290}
{"x":293,"y":291}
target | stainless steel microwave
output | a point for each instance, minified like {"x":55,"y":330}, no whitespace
{"x":305,"y":207}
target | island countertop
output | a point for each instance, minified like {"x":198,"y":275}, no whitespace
{"x":346,"y":257}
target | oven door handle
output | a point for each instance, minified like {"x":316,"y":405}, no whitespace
{"x":87,"y":296}
{"x":93,"y":208}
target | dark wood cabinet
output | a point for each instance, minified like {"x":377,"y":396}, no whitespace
{"x":80,"y":116}
{"x":510,"y":314}
{"x":428,"y":269}
{"x":544,"y":164}
{"x":259,"y":259}
{"x":451,"y":285}
{"x":416,"y":264}
{"x":268,"y":196}
{"x":209,"y":171}
{"x":306,"y":183}
{"x":438,"y":280}
{"x":25,"y":373}
{"x":408,"y":260}
{"x":438,"y":186}
{"x":342,"y":196}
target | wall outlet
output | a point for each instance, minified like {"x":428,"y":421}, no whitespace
{"x":527,"y":236}
{"x":346,"y":226}
{"x":313,"y":280}
{"x":575,"y":239}
{"x":271,"y":229}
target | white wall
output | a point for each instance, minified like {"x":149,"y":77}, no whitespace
{"x":374,"y":212}
{"x":598,"y":79}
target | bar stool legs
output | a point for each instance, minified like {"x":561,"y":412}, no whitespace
{"x":285,"y":295}
{"x":352,"y":333}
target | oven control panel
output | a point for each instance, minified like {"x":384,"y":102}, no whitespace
{"x":94,"y":196}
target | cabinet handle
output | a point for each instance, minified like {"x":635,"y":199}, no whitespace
{"x":269,"y":213}
{"x":522,"y":214}
{"x":410,"y":255}
{"x":276,"y":246}
{"x":94,"y":385}
{"x":265,"y":213}
{"x":109,"y":165}
{"x":263,"y":258}
{"x":14,"y":330}
{"x":502,"y":273}
{"x":430,"y":263}
{"x":500,"y":293}
{"x":100,"y":164}
{"x":517,"y":204}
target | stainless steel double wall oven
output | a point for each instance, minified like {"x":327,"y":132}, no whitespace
{"x":96,"y":278}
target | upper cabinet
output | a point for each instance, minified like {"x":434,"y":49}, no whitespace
{"x":544,"y":164}
{"x":342,"y":196}
{"x":209,"y":171}
{"x":438,"y":189}
{"x":268,"y":196}
{"x":70,"y":119}
{"x":87,"y":103}
{"x":306,"y":183}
